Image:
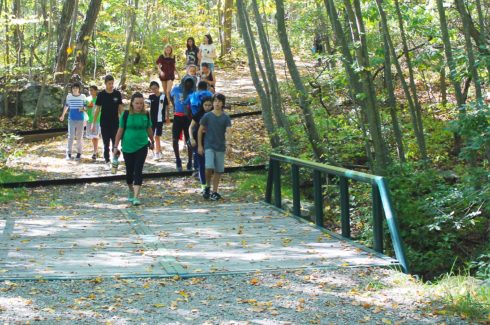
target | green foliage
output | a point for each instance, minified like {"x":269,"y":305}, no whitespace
{"x":444,"y":219}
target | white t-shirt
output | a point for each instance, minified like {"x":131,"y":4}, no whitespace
{"x":206,"y":51}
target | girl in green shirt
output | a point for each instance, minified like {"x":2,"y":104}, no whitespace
{"x":134,"y":130}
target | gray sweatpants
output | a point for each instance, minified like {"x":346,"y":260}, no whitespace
{"x":75,"y":130}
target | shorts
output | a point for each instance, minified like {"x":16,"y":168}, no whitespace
{"x":181,"y":123}
{"x":169,"y":78}
{"x":90,"y":134}
{"x":157,"y":129}
{"x":215,"y":160}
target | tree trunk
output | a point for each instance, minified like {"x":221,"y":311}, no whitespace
{"x":18,"y":40}
{"x":390,"y":88}
{"x":442,"y":81}
{"x":275,"y":94}
{"x":413,"y":114}
{"x":469,"y":50}
{"x":413,"y":87}
{"x":129,"y":37}
{"x":46,"y":70}
{"x":65,"y":30}
{"x":381,"y":158}
{"x":7,"y":40}
{"x":249,"y":44}
{"x":227,"y":24}
{"x":319,"y":151}
{"x":449,"y":54}
{"x":83,"y":37}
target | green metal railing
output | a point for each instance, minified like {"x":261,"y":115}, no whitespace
{"x":381,"y":200}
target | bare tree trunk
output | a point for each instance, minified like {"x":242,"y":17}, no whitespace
{"x":249,"y":44}
{"x":18,"y":35}
{"x":442,"y":81}
{"x":65,"y":30}
{"x":469,"y":50}
{"x":272,"y":82}
{"x":413,"y":87}
{"x":7,"y":40}
{"x":319,"y":150}
{"x":129,"y":37}
{"x":83,"y":37}
{"x":392,"y":101}
{"x":227,"y":24}
{"x":221,"y":32}
{"x":46,"y":70}
{"x":413,"y":113}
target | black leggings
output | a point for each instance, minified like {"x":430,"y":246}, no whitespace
{"x":108,"y":135}
{"x":134,"y":166}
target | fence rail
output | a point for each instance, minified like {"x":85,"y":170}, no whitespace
{"x":380,"y":195}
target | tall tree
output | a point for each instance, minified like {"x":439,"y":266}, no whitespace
{"x":319,"y":150}
{"x":227,"y":24}
{"x":469,"y":50}
{"x":65,"y":30}
{"x":411,"y":106}
{"x":46,"y":69}
{"x":18,"y":39}
{"x":129,"y":37}
{"x":247,"y":36}
{"x":272,"y":82}
{"x":83,"y":37}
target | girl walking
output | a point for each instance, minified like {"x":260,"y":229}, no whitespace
{"x":166,"y":69}
{"x":191,"y":52}
{"x":207,"y":52}
{"x":134,"y":132}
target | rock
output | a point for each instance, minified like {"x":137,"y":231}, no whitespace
{"x":307,"y":209}
{"x":52,"y":99}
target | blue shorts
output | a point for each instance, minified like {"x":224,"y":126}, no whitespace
{"x":215,"y":160}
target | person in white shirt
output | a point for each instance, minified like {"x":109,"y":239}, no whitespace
{"x":207,"y":52}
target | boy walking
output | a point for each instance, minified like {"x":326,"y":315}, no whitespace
{"x":75,"y":102}
{"x":215,"y":124}
{"x":109,"y":105}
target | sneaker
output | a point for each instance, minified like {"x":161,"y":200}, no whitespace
{"x":136,"y":201}
{"x":205,"y":193}
{"x":107,"y":160}
{"x":215,"y":196}
{"x":155,"y":156}
{"x":189,"y":165}
{"x":68,"y":156}
{"x":79,"y":156}
{"x":130,"y":197}
{"x":178,"y":164}
{"x":94,"y":156}
{"x":160,"y":155}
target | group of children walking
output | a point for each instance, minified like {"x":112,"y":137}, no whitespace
{"x":197,"y":115}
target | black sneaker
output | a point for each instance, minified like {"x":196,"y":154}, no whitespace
{"x":79,"y":156}
{"x":215,"y":196}
{"x":94,"y":156}
{"x":107,"y":160}
{"x":178,"y":165}
{"x":189,"y":165}
{"x":68,"y":156}
{"x":205,"y":194}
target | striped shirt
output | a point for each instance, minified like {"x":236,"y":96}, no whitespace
{"x":75,"y":104}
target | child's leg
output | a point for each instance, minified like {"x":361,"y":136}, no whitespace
{"x":106,"y":140}
{"x":140,"y":157}
{"x":167,"y":87}
{"x":79,"y":136}
{"x":219,"y":168}
{"x":209,"y":163}
{"x":71,"y":136}
{"x":176,"y":129}
{"x":129,"y":161}
{"x":189,"y":148}
{"x":209,"y":176}
{"x":158,"y":147}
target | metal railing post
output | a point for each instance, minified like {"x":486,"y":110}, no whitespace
{"x":268,"y":188}
{"x":318,"y":195}
{"x":296,"y":193}
{"x":344,"y":207}
{"x":377,"y":220}
{"x":276,"y":176}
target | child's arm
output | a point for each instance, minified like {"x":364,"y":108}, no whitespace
{"x":200,"y":146}
{"x":96,"y":115}
{"x":191,"y":136}
{"x":229,"y":140}
{"x":149,"y":130}
{"x":118,"y":139}
{"x":65,"y":109}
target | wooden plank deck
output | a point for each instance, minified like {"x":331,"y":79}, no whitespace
{"x":169,"y":241}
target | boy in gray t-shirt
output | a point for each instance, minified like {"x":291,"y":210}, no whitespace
{"x":214,"y":124}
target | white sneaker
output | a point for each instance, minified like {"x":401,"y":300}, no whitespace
{"x":160,"y":156}
{"x":155,"y":156}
